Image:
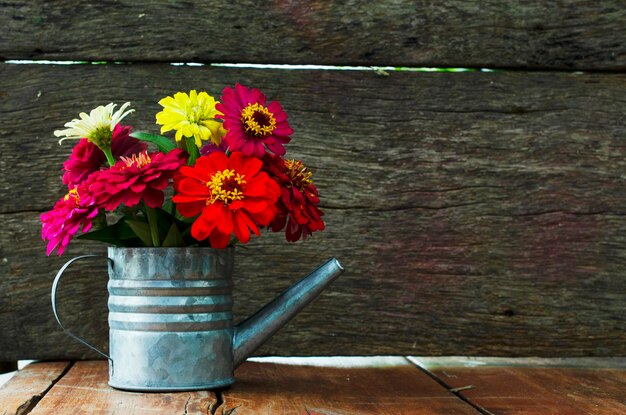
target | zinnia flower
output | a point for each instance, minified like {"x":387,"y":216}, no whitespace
{"x":97,"y":127}
{"x":231,"y":194}
{"x":297,"y":206}
{"x":87,"y":158}
{"x":250,"y":124}
{"x":132,"y":179}
{"x":192,"y":115}
{"x":59,"y":225}
{"x":211,"y":148}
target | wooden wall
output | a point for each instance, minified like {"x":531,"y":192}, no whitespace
{"x":476,"y":213}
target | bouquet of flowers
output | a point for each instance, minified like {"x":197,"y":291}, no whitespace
{"x":226,"y":164}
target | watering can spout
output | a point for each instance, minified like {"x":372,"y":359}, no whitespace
{"x":254,"y":331}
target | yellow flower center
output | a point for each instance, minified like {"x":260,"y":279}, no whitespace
{"x":298,"y":173}
{"x":101,"y":137}
{"x":140,"y":160}
{"x":226,"y":186}
{"x":196,"y":114}
{"x":73,"y":193}
{"x":258,"y":120}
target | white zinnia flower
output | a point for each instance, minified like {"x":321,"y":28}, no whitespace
{"x":100,"y":122}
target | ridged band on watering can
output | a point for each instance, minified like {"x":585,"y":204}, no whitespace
{"x":170,"y":317}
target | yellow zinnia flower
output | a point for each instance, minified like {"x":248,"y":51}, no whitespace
{"x":191,"y":115}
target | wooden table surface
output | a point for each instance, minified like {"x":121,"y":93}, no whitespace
{"x":339,"y":386}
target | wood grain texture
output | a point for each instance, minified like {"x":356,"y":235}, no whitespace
{"x":327,"y":386}
{"x":476,"y":213}
{"x":549,"y":391}
{"x":299,"y":390}
{"x":580,"y":34}
{"x":84,"y":390}
{"x":24,"y":390}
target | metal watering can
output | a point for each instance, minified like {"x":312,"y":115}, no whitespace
{"x":170,"y":317}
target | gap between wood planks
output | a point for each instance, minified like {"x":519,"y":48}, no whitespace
{"x":455,"y":391}
{"x":382,"y":70}
{"x":353,"y":361}
{"x":29,"y":405}
{"x":219,"y":401}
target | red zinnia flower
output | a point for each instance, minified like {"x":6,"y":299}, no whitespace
{"x":297,"y":207}
{"x":230,"y":193}
{"x":61,"y":223}
{"x":251,"y":125}
{"x":87,"y":158}
{"x":142,"y":176}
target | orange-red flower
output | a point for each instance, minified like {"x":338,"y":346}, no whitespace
{"x":231,"y":195}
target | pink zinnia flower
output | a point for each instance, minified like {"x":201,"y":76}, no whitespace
{"x":297,"y":206}
{"x":87,"y":158}
{"x":61,"y":223}
{"x":250,"y":124}
{"x":142,"y":176}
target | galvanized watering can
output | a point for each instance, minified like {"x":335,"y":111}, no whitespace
{"x":170,"y":317}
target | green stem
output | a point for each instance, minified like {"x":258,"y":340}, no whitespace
{"x":192,"y":150}
{"x":183,"y":144}
{"x":107,"y":152}
{"x":154,"y":228}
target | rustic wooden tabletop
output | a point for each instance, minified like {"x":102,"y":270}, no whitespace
{"x":333,"y":386}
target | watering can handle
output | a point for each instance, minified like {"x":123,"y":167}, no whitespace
{"x":53,"y":296}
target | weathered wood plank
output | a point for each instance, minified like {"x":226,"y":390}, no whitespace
{"x":580,"y":34}
{"x":513,"y":143}
{"x":84,"y":389}
{"x":24,"y":390}
{"x":445,"y":310}
{"x":472,"y":211}
{"x":540,"y":390}
{"x":298,"y":390}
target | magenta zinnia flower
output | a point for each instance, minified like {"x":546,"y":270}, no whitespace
{"x":251,"y":125}
{"x":87,"y":158}
{"x":212,"y":148}
{"x":75,"y":209}
{"x":132,"y":179}
{"x":297,"y":206}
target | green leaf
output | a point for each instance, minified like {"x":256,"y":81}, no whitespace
{"x":119,"y":234}
{"x":142,"y":230}
{"x":164,"y":144}
{"x":169,"y":207}
{"x":173,"y":238}
{"x":164,"y":219}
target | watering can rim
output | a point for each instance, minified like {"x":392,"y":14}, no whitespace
{"x":169,"y":248}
